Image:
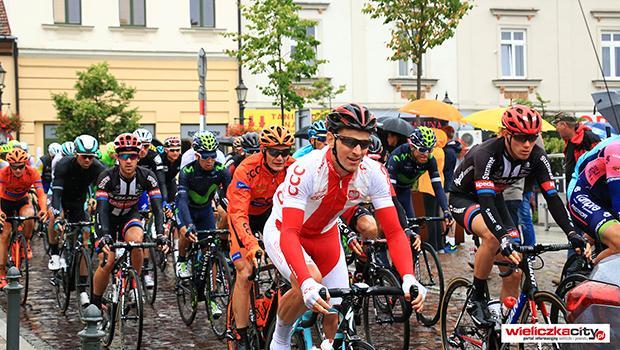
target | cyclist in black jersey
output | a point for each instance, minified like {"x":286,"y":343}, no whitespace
{"x":172,"y":165}
{"x":250,"y":145}
{"x":118,"y":191}
{"x":46,"y":164}
{"x":478,"y":184}
{"x":150,"y":159}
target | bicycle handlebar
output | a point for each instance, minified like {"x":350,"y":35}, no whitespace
{"x":541,"y":248}
{"x":423,"y":219}
{"x":79,"y":224}
{"x":20,"y":218}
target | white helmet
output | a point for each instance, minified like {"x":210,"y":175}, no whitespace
{"x":86,"y":144}
{"x":143,"y":135}
{"x":54,"y":148}
{"x":68,"y":148}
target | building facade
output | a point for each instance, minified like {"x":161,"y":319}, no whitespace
{"x":150,"y":45}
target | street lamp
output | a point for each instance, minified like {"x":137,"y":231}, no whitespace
{"x":446,"y":99}
{"x":242,"y":93}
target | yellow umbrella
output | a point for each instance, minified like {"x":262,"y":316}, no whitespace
{"x":434,"y":109}
{"x":491,"y":119}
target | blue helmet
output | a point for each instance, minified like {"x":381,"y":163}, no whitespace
{"x":318,"y":128}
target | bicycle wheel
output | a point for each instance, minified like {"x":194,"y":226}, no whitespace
{"x":187,"y":295}
{"x":429,"y":273}
{"x":232,"y":337}
{"x":131,"y":311}
{"x":109,"y":305}
{"x":458,"y":330}
{"x":383,"y":316}
{"x":577,"y":263}
{"x":83,"y":264}
{"x":60,"y":281}
{"x":217,"y":292}
{"x":297,"y":338}
{"x":360,"y":345}
{"x":149,"y":272}
{"x":544,"y":301}
{"x":24,"y":267}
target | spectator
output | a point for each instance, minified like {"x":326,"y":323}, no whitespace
{"x":452,"y":149}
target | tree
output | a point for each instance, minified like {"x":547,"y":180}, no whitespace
{"x":270,"y":25}
{"x":323,"y":92}
{"x":417,"y":26}
{"x":100,"y":107}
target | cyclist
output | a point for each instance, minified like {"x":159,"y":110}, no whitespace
{"x":478,"y":184}
{"x":45,"y":167}
{"x":150,"y":159}
{"x":198,"y":183}
{"x":316,"y":135}
{"x":15,"y":182}
{"x":409,"y":161}
{"x":301,"y":234}
{"x":172,"y":165}
{"x":67,"y":149}
{"x":118,"y":191}
{"x":108,"y":157}
{"x":376,"y":150}
{"x":250,"y":145}
{"x":250,"y":198}
{"x":237,"y":154}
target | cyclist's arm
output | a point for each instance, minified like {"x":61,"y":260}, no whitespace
{"x":544,"y":176}
{"x":183,"y":199}
{"x":240,"y":195}
{"x":58,"y":184}
{"x":38,"y":186}
{"x":485,"y":190}
{"x":440,"y":194}
{"x":155,"y":196}
{"x":160,"y":173}
{"x":393,"y":165}
{"x":103,"y":205}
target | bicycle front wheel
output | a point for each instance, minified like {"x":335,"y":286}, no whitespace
{"x":83,"y":279}
{"x":149,"y":276}
{"x":61,"y":282}
{"x":545,"y":302}
{"x":384,"y":316}
{"x":458,"y":330}
{"x":23,"y":265}
{"x":429,"y":273}
{"x":131,"y":311}
{"x":217,"y":292}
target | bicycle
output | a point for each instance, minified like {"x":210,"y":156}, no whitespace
{"x":18,"y":251}
{"x":346,"y":334}
{"x":122,"y":299}
{"x":210,"y":281}
{"x":75,"y":259}
{"x":428,"y":271}
{"x":532,"y":305}
{"x":149,"y":266}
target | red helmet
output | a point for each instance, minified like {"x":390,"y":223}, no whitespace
{"x":127,"y":142}
{"x":351,"y":116}
{"x":519,"y":119}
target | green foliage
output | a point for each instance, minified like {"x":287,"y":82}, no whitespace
{"x":272,"y":24}
{"x":323,"y":92}
{"x":100,"y":107}
{"x":417,"y":25}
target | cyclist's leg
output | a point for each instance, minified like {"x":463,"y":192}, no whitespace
{"x":510,"y":283}
{"x":27,"y":210}
{"x":364,"y":223}
{"x":101,"y":277}
{"x":242,"y":287}
{"x":133,"y":232}
{"x":9,"y":209}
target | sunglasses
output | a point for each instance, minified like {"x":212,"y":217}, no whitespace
{"x":146,"y":145}
{"x":321,"y":138}
{"x":128,"y":156}
{"x":352,"y":142}
{"x":18,"y":166}
{"x":86,"y":156}
{"x":279,"y":152}
{"x":251,"y":150}
{"x":522,"y":138}
{"x":423,"y":150}
{"x":207,"y":155}
{"x":174,"y":150}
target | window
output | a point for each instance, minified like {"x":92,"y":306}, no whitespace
{"x":202,"y":13}
{"x":132,"y":13}
{"x":610,"y":43}
{"x":49,"y":135}
{"x":68,"y":11}
{"x":149,"y":127}
{"x":409,"y":69}
{"x":513,"y":53}
{"x":310,"y":32}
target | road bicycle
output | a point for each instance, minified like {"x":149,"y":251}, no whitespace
{"x":18,"y":252}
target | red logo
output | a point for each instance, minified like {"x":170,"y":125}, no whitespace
{"x":353,"y":194}
{"x":484,"y":184}
{"x":293,"y":190}
{"x":600,"y":335}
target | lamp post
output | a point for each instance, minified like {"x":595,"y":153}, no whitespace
{"x":447,"y":100}
{"x":242,"y":93}
{"x":2,"y":86}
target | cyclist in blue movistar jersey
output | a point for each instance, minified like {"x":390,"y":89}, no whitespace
{"x":317,"y":134}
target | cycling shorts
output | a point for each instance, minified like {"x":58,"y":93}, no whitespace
{"x":463,"y":210}
{"x":323,"y":250}
{"x":74,"y":213}
{"x":203,"y":218}
{"x":120,"y":224}
{"x":353,"y":214}
{"x":12,"y":208}
{"x":257,"y":224}
{"x":587,"y":212}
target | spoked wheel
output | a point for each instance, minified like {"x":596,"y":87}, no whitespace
{"x":61,"y":282}
{"x":149,"y":277}
{"x":187,"y":296}
{"x":545,"y":302}
{"x":384,"y":318}
{"x":110,"y":314}
{"x":218,"y":293}
{"x":458,"y":330}
{"x":83,"y":279}
{"x":429,"y":273}
{"x":232,"y":337}
{"x":298,"y":341}
{"x":23,"y":264}
{"x":131,"y":312}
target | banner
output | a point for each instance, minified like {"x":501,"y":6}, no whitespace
{"x":260,"y":118}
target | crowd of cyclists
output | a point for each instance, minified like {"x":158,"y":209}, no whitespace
{"x":289,"y":208}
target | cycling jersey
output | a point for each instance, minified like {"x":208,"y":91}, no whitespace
{"x":71,"y":182}
{"x":108,"y":160}
{"x":190,"y":156}
{"x":172,"y":170}
{"x":46,"y":171}
{"x":303,"y":151}
{"x":405,"y":170}
{"x":117,"y":196}
{"x":153,"y":162}
{"x":488,"y":169}
{"x":14,"y":188}
{"x":250,"y":194}
{"x":587,"y":158}
{"x":594,"y":201}
{"x":197,"y":187}
{"x":306,"y":208}
{"x":233,"y":160}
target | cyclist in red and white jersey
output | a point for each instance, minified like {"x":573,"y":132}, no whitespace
{"x":301,"y":235}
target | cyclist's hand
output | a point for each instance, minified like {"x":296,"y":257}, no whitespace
{"x":42,"y":214}
{"x":103,"y":243}
{"x":355,"y":246}
{"x":577,"y":241}
{"x":164,"y":243}
{"x":418,"y":303}
{"x":253,"y":251}
{"x":310,"y":291}
{"x":508,"y":243}
{"x":92,"y":204}
{"x":190,"y":233}
{"x":417,"y":241}
{"x":59,"y":225}
{"x":448,"y":218}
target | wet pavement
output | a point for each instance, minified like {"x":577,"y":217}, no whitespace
{"x":44,"y":326}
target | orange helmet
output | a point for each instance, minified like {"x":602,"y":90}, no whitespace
{"x":17,"y":155}
{"x":276,"y":135}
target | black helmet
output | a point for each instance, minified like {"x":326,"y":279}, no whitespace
{"x":376,"y":147}
{"x":249,"y":141}
{"x":352,"y":116}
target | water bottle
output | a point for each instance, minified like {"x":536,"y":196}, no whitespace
{"x":494,"y":307}
{"x":508,"y":308}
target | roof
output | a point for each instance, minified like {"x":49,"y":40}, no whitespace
{"x":5,"y":28}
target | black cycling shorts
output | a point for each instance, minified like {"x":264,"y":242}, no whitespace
{"x":120,"y":224}
{"x":12,"y":208}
